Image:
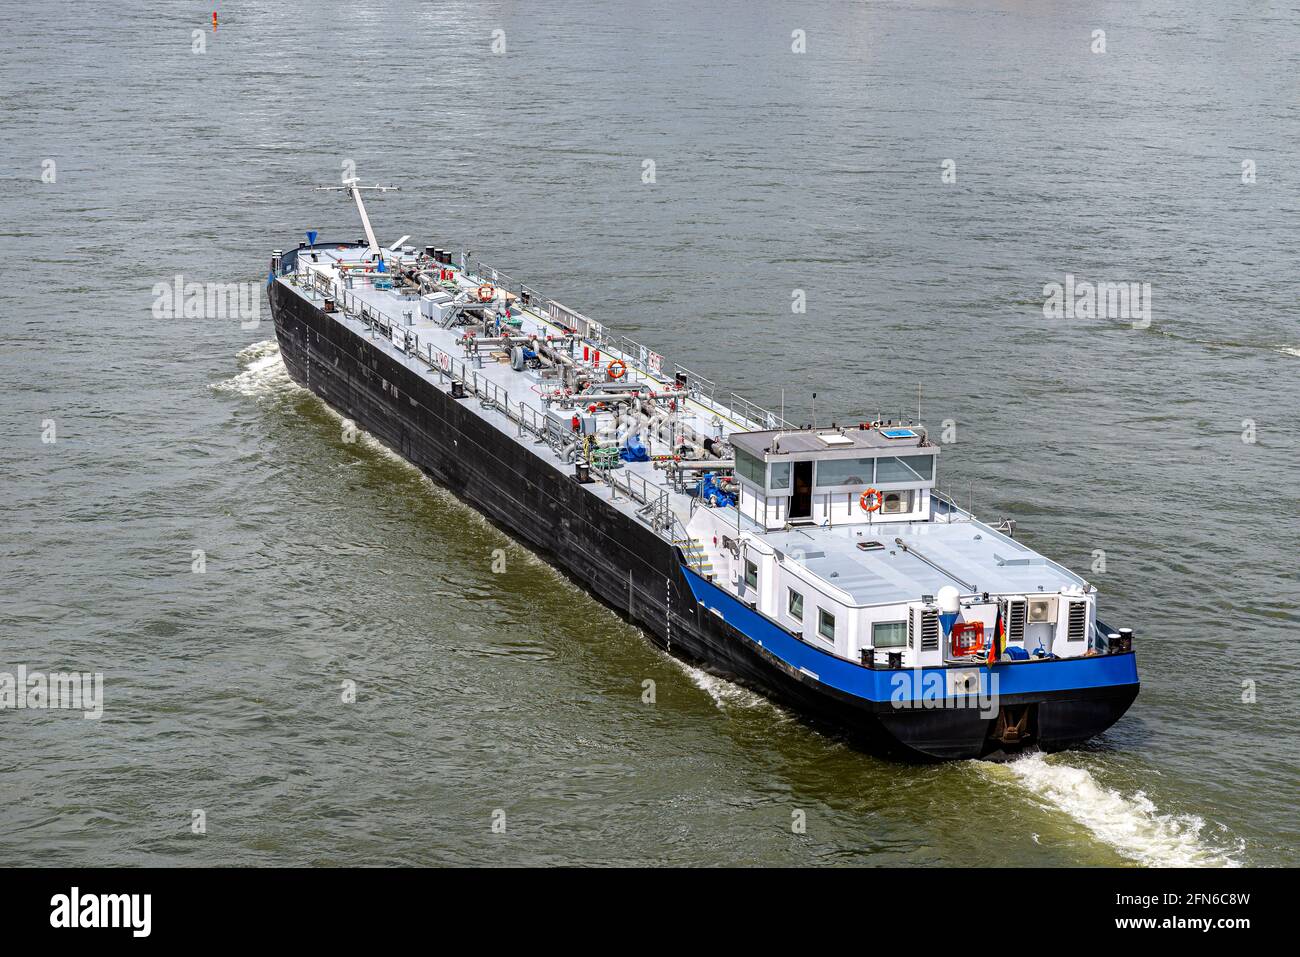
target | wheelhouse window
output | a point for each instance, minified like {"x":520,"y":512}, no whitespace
{"x":751,"y":574}
{"x":749,"y":468}
{"x":834,"y":472}
{"x":913,"y":468}
{"x":794,"y":604}
{"x":825,"y":624}
{"x":780,"y":472}
{"x":889,"y":634}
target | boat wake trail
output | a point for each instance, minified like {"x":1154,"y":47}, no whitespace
{"x":263,"y":374}
{"x":1132,"y":825}
{"x":722,"y":692}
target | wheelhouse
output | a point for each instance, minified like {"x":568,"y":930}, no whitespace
{"x":854,"y":476}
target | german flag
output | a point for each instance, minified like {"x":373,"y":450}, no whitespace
{"x":999,"y":637}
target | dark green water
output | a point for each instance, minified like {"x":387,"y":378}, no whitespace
{"x":329,"y":561}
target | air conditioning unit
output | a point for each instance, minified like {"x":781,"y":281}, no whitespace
{"x":896,"y":503}
{"x":1042,"y":611}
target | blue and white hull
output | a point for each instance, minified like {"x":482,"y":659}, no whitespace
{"x":496,"y":432}
{"x":929,"y":713}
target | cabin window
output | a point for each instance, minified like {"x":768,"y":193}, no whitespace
{"x":914,"y":468}
{"x":751,"y":574}
{"x":748,"y":467}
{"x":831,"y":472}
{"x":794,"y":604}
{"x":825,"y":624}
{"x":889,"y":634}
{"x":780,"y":475}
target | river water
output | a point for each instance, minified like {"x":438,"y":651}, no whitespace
{"x":1168,"y":450}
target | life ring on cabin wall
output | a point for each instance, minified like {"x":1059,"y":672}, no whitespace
{"x":619,"y":372}
{"x":867,"y":496}
{"x":485,"y":293}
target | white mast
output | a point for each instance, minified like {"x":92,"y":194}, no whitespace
{"x":351,"y":186}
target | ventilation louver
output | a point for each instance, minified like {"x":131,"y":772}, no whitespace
{"x":1016,"y":620}
{"x":929,"y":630}
{"x":1078,"y":621}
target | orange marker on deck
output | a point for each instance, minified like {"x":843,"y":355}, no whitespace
{"x":214,"y":19}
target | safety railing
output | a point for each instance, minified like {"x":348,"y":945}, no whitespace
{"x":699,"y":387}
{"x":318,"y":285}
{"x":956,"y":513}
{"x":493,"y":395}
{"x":438,"y":360}
{"x":530,"y":420}
{"x":641,"y":361}
{"x":654,"y":500}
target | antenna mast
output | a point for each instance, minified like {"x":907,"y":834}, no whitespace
{"x":354,"y":189}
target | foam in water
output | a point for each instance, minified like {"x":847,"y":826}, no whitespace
{"x":264,"y":373}
{"x":264,"y":376}
{"x":1289,"y":350}
{"x":1132,"y":825}
{"x":722,"y":692}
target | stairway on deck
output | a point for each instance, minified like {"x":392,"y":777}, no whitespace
{"x":696,"y":557}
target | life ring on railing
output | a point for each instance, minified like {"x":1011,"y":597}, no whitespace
{"x":866,"y":496}
{"x":619,"y":372}
{"x":485,"y":293}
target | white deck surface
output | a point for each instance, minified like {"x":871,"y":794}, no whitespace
{"x":971,"y":550}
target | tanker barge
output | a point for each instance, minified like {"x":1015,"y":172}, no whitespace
{"x":820,"y":566}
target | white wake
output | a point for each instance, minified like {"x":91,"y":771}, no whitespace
{"x":263,"y":372}
{"x":722,"y":691}
{"x":1130,"y":824}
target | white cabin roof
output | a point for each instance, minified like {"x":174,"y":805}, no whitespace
{"x":973,"y":557}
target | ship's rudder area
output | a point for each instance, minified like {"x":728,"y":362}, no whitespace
{"x":1066,"y":722}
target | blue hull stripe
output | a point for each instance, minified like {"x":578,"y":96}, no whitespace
{"x":1030,"y":677}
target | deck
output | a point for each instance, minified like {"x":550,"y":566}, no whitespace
{"x":512,"y":401}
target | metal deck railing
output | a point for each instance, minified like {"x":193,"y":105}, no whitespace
{"x":654,"y":500}
{"x":656,"y":506}
{"x":640,"y":360}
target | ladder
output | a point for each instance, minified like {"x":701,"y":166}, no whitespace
{"x":696,"y":557}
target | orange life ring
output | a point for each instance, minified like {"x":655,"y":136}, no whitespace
{"x":485,"y":293}
{"x":866,"y":496}
{"x":622,"y":369}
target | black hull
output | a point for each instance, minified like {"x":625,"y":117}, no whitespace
{"x":619,"y":560}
